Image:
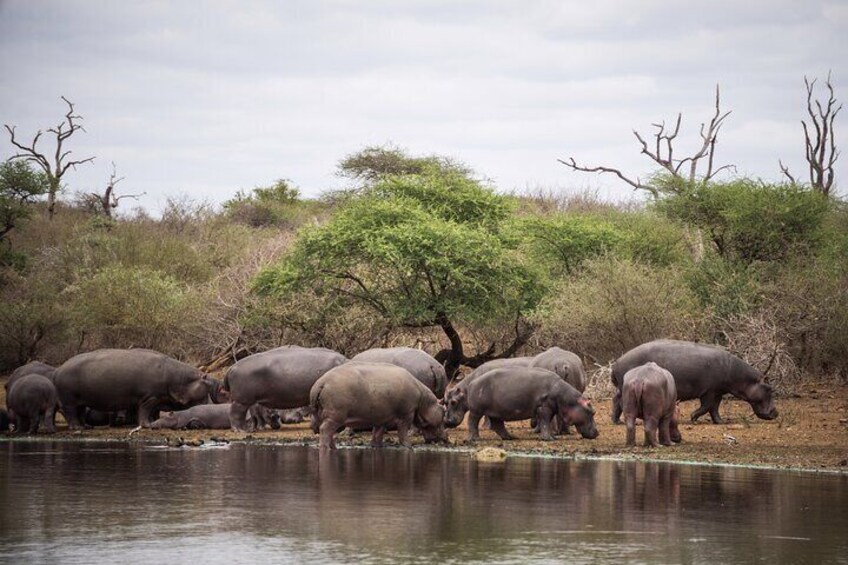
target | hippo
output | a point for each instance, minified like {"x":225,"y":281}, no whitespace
{"x":564,"y":363}
{"x":200,"y":417}
{"x":259,"y":417}
{"x":649,"y":393}
{"x":279,"y":378}
{"x":495,"y":364}
{"x":143,"y":380}
{"x":294,"y":415}
{"x":707,"y":372}
{"x":34,"y":368}
{"x":421,"y":364}
{"x":519,"y":393}
{"x":4,"y":421}
{"x":376,"y":395}
{"x":31,"y":400}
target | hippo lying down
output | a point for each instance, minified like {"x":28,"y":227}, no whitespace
{"x":217,"y":417}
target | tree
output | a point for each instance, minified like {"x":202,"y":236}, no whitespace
{"x":375,"y":162}
{"x":56,"y":167}
{"x":109,"y":200}
{"x":662,"y":154}
{"x":820,"y":150}
{"x":421,"y":250}
{"x":20,"y":185}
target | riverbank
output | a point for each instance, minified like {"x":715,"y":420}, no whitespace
{"x":810,"y":433}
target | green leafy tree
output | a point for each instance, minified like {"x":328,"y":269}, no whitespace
{"x":375,"y":162}
{"x":423,"y":250}
{"x":20,"y":185}
{"x":749,"y":220}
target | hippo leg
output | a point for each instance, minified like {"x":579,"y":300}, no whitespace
{"x":616,"y":407}
{"x":145,"y":411}
{"x":714,"y":411}
{"x":403,"y":432}
{"x":238,"y":414}
{"x":49,"y":420}
{"x":377,"y":436}
{"x":545,"y":414}
{"x":22,"y":424}
{"x":664,"y":430}
{"x":674,"y":431}
{"x":74,"y":414}
{"x":474,"y":426}
{"x":630,"y":422}
{"x":327,"y":430}
{"x":499,"y":428}
{"x":195,"y":424}
{"x":651,"y":429}
{"x":707,"y":401}
{"x":34,"y":421}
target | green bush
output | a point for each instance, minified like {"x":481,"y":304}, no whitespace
{"x":615,"y":304}
{"x":565,"y":241}
{"x":750,"y":220}
{"x":278,"y":205}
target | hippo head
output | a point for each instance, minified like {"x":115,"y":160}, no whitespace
{"x":431,"y":421}
{"x":760,"y":396}
{"x":581,"y":415}
{"x":217,"y":393}
{"x":456,"y":405}
{"x":291,"y":416}
{"x":167,"y":420}
{"x":193,"y":391}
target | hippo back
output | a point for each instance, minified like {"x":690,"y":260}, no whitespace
{"x":697,"y":368}
{"x":34,"y":368}
{"x":421,"y":364}
{"x":565,"y":364}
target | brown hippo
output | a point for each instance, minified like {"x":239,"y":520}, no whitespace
{"x":421,"y":364}
{"x":111,"y":380}
{"x":31,"y":399}
{"x":649,"y":393}
{"x":707,"y":372}
{"x":520,"y":393}
{"x":279,"y":378}
{"x":374,"y":395}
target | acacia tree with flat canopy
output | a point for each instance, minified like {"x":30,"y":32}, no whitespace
{"x":419,"y":250}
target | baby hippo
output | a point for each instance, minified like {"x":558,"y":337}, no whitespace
{"x":519,"y":393}
{"x":31,"y":399}
{"x":200,"y":417}
{"x":648,"y":392}
{"x":376,"y":396}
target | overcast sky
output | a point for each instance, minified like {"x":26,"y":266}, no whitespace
{"x":206,"y":98}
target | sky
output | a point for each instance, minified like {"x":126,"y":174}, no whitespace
{"x":200,"y":99}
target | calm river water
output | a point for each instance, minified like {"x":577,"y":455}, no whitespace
{"x":120,"y":503}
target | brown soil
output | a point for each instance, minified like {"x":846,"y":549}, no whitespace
{"x":810,"y":433}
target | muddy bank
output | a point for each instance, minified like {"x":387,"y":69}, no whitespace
{"x":810,"y":433}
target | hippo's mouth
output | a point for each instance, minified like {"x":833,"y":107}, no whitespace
{"x":771,"y":415}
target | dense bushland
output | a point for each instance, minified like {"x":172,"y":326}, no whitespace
{"x":420,"y":251}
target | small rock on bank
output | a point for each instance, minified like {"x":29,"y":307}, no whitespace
{"x":490,"y":455}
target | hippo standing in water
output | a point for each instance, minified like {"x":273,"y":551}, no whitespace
{"x":421,"y":364}
{"x":707,"y":372}
{"x":377,"y":396}
{"x":649,"y":393}
{"x":111,"y":380}
{"x":520,"y":393}
{"x":31,"y":400}
{"x":279,"y":378}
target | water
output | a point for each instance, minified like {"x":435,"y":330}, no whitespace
{"x":119,"y":503}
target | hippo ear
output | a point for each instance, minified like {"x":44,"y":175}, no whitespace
{"x":585,"y":403}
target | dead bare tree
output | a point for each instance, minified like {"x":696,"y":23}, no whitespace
{"x":661,"y":151}
{"x":56,"y":168}
{"x":820,"y":150}
{"x":109,"y":200}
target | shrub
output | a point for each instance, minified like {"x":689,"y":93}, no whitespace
{"x":750,"y":220}
{"x":615,"y":304}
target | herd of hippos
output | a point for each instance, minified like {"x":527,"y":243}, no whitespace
{"x":397,"y":388}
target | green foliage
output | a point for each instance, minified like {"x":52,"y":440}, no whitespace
{"x":414,"y":249}
{"x":726,"y":289}
{"x":20,"y":184}
{"x":565,"y":241}
{"x":278,"y":205}
{"x":374,"y":163}
{"x":750,"y":220}
{"x":130,"y":306}
{"x":614,"y":304}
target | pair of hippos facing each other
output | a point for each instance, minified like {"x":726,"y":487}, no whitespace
{"x":284,"y":378}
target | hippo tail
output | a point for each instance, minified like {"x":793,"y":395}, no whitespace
{"x":226,"y":384}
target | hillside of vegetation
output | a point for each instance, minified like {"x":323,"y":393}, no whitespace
{"x":421,"y":252}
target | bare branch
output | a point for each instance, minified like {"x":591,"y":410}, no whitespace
{"x":572,"y":164}
{"x":785,"y":170}
{"x":819,"y":140}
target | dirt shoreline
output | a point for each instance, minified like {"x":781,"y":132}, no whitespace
{"x":810,"y":434}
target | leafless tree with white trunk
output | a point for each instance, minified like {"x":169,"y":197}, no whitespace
{"x":109,"y":200}
{"x":661,"y":151}
{"x":56,"y":167}
{"x":819,"y":139}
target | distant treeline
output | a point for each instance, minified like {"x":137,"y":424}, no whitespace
{"x":421,"y":251}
